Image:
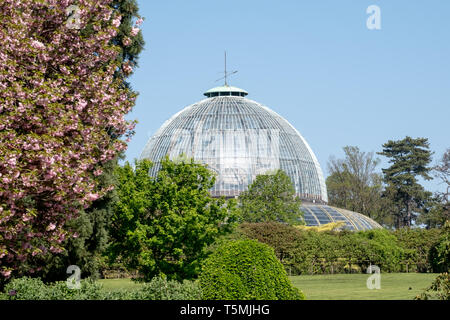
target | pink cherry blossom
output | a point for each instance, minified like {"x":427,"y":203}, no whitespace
{"x":37,"y":45}
{"x":92,"y":196}
{"x":126,"y":41}
{"x":116,"y":22}
{"x":58,"y":93}
{"x":134,"y":31}
{"x":6,"y":273}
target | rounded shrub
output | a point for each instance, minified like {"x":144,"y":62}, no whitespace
{"x":246,"y":270}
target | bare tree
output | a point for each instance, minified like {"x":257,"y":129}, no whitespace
{"x":442,"y":171}
{"x":353,"y":183}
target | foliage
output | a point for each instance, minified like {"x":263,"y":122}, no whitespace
{"x":162,"y":225}
{"x":92,"y":225}
{"x":332,"y":226}
{"x":157,"y":289}
{"x":439,"y":289}
{"x":436,"y":213}
{"x":246,"y":269}
{"x":34,"y":289}
{"x":439,"y":210}
{"x":410,"y":158}
{"x":129,"y":36}
{"x":58,"y":93}
{"x":381,"y":248}
{"x":312,"y":252}
{"x":417,"y":244}
{"x":440,"y":252}
{"x":442,"y":171}
{"x":354,"y":185}
{"x":26,"y":289}
{"x":283,"y":238}
{"x":271,"y":197}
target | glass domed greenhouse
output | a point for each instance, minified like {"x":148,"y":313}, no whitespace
{"x":238,"y":139}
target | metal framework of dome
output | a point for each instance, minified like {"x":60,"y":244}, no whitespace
{"x":316,"y":215}
{"x":238,"y":139}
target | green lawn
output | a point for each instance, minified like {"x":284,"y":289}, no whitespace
{"x":394,"y":286}
{"x":118,"y":284}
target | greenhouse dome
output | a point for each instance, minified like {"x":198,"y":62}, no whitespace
{"x":316,"y":215}
{"x":238,"y":139}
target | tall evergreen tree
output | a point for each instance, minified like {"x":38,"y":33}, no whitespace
{"x":410,"y":159}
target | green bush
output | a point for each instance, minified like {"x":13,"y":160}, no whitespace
{"x":158,"y":289}
{"x":380,"y":248}
{"x":312,"y":252}
{"x":417,"y":244}
{"x":246,"y":269}
{"x":26,"y":289}
{"x":439,"y":289}
{"x":440,"y":252}
{"x":90,"y":290}
{"x":34,"y":289}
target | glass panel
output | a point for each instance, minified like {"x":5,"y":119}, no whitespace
{"x":231,"y":133}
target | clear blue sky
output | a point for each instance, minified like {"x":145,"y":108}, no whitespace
{"x":313,"y":62}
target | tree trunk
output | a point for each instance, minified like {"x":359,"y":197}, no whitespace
{"x":408,"y":216}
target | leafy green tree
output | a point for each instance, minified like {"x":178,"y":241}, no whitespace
{"x":163,"y":224}
{"x":271,"y":197}
{"x":410,"y":158}
{"x":354,"y":185}
{"x":436,"y":213}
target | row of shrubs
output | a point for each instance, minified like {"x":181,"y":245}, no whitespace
{"x":237,"y":270}
{"x":158,"y":289}
{"x":312,"y":252}
{"x":253,"y":264}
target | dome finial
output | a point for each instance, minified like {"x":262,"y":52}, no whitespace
{"x":225,"y":90}
{"x":226,"y":74}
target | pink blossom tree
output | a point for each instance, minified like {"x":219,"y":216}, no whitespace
{"x":61,"y":111}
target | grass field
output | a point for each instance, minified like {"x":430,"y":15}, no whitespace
{"x":394,"y":286}
{"x":118,"y":284}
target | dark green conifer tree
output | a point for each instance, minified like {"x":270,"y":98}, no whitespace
{"x":410,"y":159}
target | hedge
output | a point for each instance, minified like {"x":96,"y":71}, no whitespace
{"x":312,"y":252}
